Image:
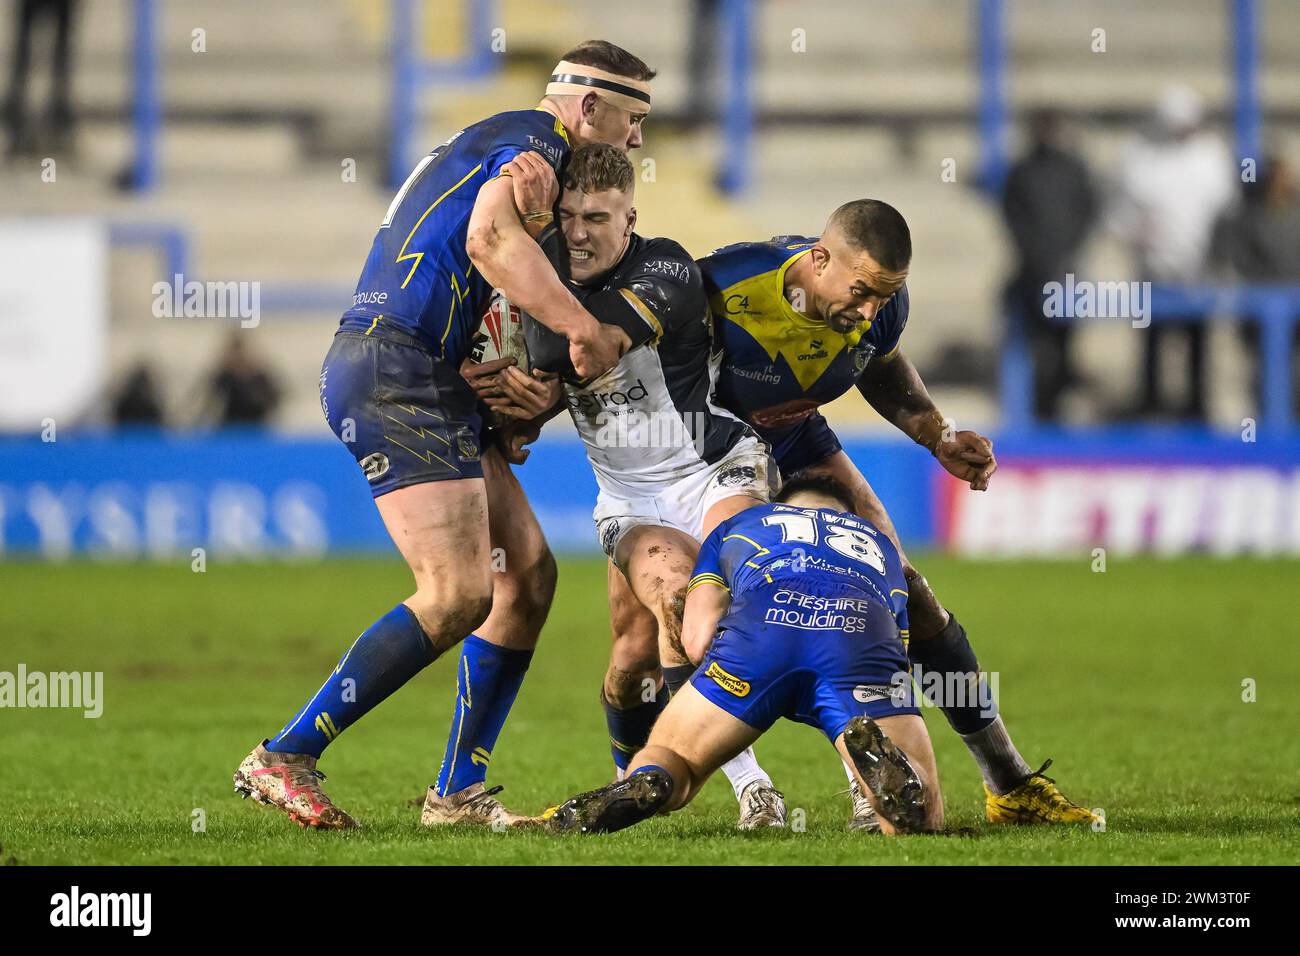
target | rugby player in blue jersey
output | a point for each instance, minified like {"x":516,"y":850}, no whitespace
{"x":801,"y":321}
{"x":796,"y":609}
{"x":798,"y":322}
{"x":391,"y":390}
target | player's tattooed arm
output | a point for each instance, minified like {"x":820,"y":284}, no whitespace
{"x":508,"y":258}
{"x":706,"y":603}
{"x":895,"y":390}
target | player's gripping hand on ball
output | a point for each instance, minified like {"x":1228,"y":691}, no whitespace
{"x":504,"y":388}
{"x":524,"y":396}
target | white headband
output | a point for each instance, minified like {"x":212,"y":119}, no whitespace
{"x":575,"y":79}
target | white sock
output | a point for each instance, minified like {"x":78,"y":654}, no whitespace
{"x":743,"y":769}
{"x":1000,"y":763}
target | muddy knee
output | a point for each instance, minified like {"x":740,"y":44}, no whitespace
{"x":448,"y":618}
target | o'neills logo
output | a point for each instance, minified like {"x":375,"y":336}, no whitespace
{"x":728,"y":682}
{"x":592,"y":401}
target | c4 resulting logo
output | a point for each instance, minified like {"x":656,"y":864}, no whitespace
{"x":728,"y":682}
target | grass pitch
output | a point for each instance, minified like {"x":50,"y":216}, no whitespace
{"x":1131,"y":679}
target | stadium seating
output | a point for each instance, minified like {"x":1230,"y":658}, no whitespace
{"x":258,"y":125}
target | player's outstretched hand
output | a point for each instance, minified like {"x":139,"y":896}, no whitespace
{"x":534,"y":182}
{"x":594,"y":356}
{"x":485,"y":377}
{"x":968,"y":456}
{"x":524,"y":396}
{"x":512,"y":439}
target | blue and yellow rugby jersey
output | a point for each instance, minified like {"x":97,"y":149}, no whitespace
{"x":777,"y":364}
{"x":418,"y":279}
{"x":807,"y":556}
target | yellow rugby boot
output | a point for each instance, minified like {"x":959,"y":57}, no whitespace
{"x":1036,"y":799}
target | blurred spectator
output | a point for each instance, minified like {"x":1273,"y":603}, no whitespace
{"x":1175,"y":180}
{"x":1050,"y":205}
{"x":1260,"y":240}
{"x":136,"y":403}
{"x":61,"y":14}
{"x":242,"y":390}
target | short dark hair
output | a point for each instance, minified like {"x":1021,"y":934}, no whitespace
{"x":877,"y":228}
{"x":604,"y":55}
{"x":823,"y":485}
{"x":597,"y":167}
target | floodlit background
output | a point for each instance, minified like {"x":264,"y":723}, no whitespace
{"x":260,"y":143}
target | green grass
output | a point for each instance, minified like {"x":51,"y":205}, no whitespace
{"x":1131,"y":680}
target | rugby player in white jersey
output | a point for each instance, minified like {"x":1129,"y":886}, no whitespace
{"x":670,"y":465}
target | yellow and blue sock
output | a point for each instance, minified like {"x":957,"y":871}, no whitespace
{"x":630,"y":729}
{"x":487,"y":681}
{"x":387,"y":655}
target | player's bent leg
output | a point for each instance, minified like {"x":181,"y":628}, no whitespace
{"x":938,"y":644}
{"x":441,"y":530}
{"x":691,"y":740}
{"x":701,"y":734}
{"x":895,"y":765}
{"x":633,"y":693}
{"x":658,"y":563}
{"x":494,"y":659}
{"x":925,"y":615}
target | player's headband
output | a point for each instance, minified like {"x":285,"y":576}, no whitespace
{"x":575,"y":79}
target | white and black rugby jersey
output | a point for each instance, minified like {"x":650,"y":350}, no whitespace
{"x":648,"y":422}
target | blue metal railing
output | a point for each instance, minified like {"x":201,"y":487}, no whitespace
{"x":1245,"y":62}
{"x":736,"y":155}
{"x":170,"y":240}
{"x":411,"y":73}
{"x":171,"y":243}
{"x":990,"y":29}
{"x":1275,"y":309}
{"x":146,"y":109}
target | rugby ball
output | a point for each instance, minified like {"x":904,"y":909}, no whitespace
{"x":500,"y":334}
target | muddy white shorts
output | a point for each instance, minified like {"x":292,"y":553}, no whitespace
{"x":747,"y":469}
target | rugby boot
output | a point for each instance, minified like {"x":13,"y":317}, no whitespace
{"x":889,"y":775}
{"x":473,"y":806}
{"x":761,"y":805}
{"x":614,"y":807}
{"x":1036,"y":799}
{"x":290,"y":782}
